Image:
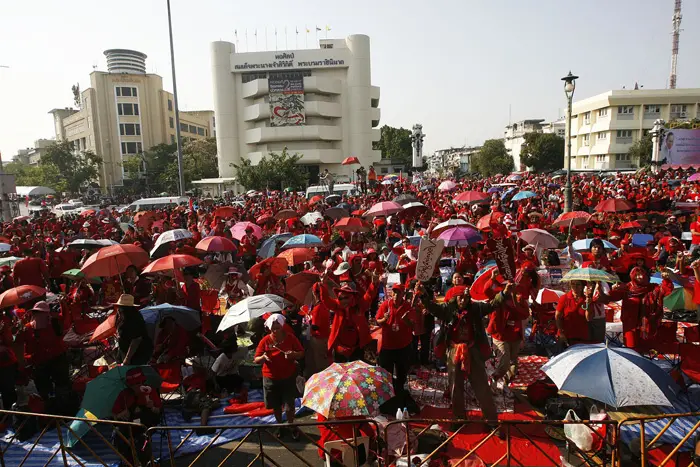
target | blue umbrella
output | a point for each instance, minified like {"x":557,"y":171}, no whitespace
{"x":495,"y":189}
{"x":657,"y":279}
{"x":641,"y":239}
{"x":267,"y":249}
{"x":524,"y":195}
{"x":508,"y":192}
{"x":617,"y":376}
{"x":303,"y":241}
{"x":185,"y":317}
{"x":486,"y":266}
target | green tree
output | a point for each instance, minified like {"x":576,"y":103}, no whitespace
{"x":70,"y":169}
{"x":543,"y":151}
{"x":641,"y":151}
{"x":275,"y":171}
{"x":395,"y":144}
{"x":492,"y":158}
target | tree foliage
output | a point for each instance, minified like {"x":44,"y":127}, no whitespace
{"x":543,"y":151}
{"x":395,"y":144}
{"x":641,"y":150}
{"x":275,"y":172}
{"x":492,"y":158}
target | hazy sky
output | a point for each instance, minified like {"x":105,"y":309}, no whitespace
{"x":453,"y":65}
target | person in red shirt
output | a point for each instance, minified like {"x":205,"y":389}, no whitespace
{"x":695,"y":232}
{"x":571,"y":315}
{"x":395,"y":316}
{"x":317,"y":350}
{"x":278,"y":352}
{"x":31,"y":270}
{"x":506,"y":328}
{"x":8,"y":362}
{"x":190,"y":294}
{"x":247,"y":249}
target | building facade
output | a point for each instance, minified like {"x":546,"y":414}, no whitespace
{"x":124,"y":112}
{"x":318,"y":103}
{"x":604,"y":127}
{"x":514,"y":136}
{"x":452,"y":160}
{"x":32,"y":156}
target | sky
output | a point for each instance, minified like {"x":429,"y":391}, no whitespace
{"x":462,"y":68}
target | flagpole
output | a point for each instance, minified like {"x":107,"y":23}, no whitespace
{"x":307,"y":36}
{"x":266,"y":48}
{"x":246,"y":39}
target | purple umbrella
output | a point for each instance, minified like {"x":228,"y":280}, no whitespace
{"x":460,"y":236}
{"x":695,"y":177}
{"x":495,"y":189}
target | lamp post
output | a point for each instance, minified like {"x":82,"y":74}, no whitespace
{"x":569,"y":88}
{"x":177,"y":110}
{"x":657,"y":135}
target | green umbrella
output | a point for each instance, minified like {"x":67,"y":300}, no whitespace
{"x":100,"y":395}
{"x":76,"y":274}
{"x":289,"y":189}
{"x":589,"y":275}
{"x":679,"y":299}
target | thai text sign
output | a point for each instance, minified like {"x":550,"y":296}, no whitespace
{"x":502,"y":249}
{"x":429,"y":252}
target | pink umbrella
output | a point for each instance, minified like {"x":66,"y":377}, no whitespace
{"x":447,"y":185}
{"x":385,"y":208}
{"x":472,"y":197}
{"x":695,"y":177}
{"x":238,"y":230}
{"x":539,"y":237}
{"x":460,"y":236}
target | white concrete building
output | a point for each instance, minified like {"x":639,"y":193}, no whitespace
{"x":514,"y":136}
{"x":32,"y":156}
{"x":319,"y":103}
{"x":454,"y":160}
{"x":604,"y":127}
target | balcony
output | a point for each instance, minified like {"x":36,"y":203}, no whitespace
{"x":309,"y":156}
{"x":376,"y":114}
{"x":293,"y":133}
{"x":321,"y":85}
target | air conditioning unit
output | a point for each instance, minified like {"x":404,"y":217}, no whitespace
{"x":683,"y":114}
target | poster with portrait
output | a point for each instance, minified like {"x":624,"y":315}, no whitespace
{"x":287,"y":99}
{"x":680,"y":147}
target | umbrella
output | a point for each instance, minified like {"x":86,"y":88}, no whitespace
{"x":113,"y":260}
{"x":545,"y":296}
{"x":574,"y":218}
{"x":679,"y":299}
{"x":630,"y":225}
{"x":268,"y":247}
{"x":616,"y":376}
{"x":524,"y":195}
{"x":144,"y":218}
{"x":589,"y":275}
{"x":224,"y":211}
{"x":251,"y":308}
{"x":238,"y":230}
{"x":105,"y":330}
{"x":295,"y":256}
{"x":348,"y":389}
{"x":170,"y":236}
{"x":9,"y":260}
{"x":285,"y":214}
{"x":299,"y":286}
{"x":315,"y":199}
{"x":216,"y":243}
{"x":508,"y":192}
{"x":539,"y":237}
{"x":405,"y":198}
{"x":343,"y":205}
{"x":125,"y":226}
{"x":334,"y":197}
{"x":657,"y":279}
{"x":263,"y":219}
{"x":5,"y":247}
{"x":76,"y":274}
{"x":278,"y":266}
{"x":303,"y":240}
{"x":385,"y":208}
{"x":448,"y":225}
{"x":350,"y":160}
{"x":427,"y":188}
{"x":447,"y":185}
{"x":460,"y":236}
{"x":352,"y":224}
{"x":495,"y":189}
{"x":171,"y":262}
{"x":412,"y":240}
{"x":614,"y":205}
{"x":585,"y":245}
{"x":186,"y":317}
{"x":100,"y":395}
{"x":485,"y":222}
{"x":84,"y":243}
{"x":310,"y":218}
{"x":21,"y":218}
{"x":20,"y":294}
{"x":695,"y":177}
{"x":88,"y":212}
{"x":642,"y":239}
{"x":413,"y":209}
{"x":336,"y":213}
{"x":514,"y":177}
{"x":472,"y":197}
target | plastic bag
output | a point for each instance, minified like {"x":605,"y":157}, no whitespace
{"x":598,"y":431}
{"x":578,"y":433}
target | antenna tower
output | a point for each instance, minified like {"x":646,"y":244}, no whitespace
{"x":676,"y":36}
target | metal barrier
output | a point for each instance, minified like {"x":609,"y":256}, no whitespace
{"x":100,"y":451}
{"x":258,"y":438}
{"x":652,"y":429}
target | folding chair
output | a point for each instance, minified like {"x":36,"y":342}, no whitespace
{"x":171,"y":375}
{"x":690,"y":365}
{"x":691,"y":334}
{"x":665,"y":342}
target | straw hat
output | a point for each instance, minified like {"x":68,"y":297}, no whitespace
{"x":126,"y":300}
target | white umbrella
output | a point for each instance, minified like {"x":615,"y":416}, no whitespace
{"x":447,"y":185}
{"x":387,"y":181}
{"x":450,"y":224}
{"x":310,"y":218}
{"x":9,"y":261}
{"x":5,"y":247}
{"x":89,"y":243}
{"x":251,"y":308}
{"x":539,"y":237}
{"x":170,"y":236}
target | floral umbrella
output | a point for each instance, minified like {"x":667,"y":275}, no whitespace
{"x":348,"y":389}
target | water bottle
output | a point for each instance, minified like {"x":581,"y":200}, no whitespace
{"x":399,"y":414}
{"x":405,"y":415}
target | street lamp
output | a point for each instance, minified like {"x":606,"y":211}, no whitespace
{"x":177,"y":109}
{"x":569,"y":88}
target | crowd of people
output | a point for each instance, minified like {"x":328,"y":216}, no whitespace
{"x":362,"y":299}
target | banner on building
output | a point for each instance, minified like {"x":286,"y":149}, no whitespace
{"x":681,"y":147}
{"x":287,"y":99}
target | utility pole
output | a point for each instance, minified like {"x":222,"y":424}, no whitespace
{"x":177,"y":110}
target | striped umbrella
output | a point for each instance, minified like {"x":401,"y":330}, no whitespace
{"x":589,"y":275}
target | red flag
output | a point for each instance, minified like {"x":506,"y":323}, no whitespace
{"x":26,"y":201}
{"x":191,"y":204}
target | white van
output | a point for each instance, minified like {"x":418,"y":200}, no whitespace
{"x":149,"y":204}
{"x":338,"y":189}
{"x":63,"y":209}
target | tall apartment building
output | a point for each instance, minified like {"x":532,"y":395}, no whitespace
{"x":604,"y":127}
{"x":514,"y":136}
{"x":125,"y":112}
{"x":32,"y":156}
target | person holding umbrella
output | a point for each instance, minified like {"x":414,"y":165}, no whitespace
{"x":135,"y":346}
{"x":506,"y":329}
{"x":572,"y":315}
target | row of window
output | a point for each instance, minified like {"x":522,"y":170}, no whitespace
{"x":618,"y":157}
{"x":195,"y":130}
{"x":603,"y":136}
{"x":130,"y":129}
{"x":127,"y":109}
{"x":125,"y":91}
{"x":132,"y":148}
{"x":650,"y":109}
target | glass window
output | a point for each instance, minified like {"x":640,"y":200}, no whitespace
{"x":183,"y":126}
{"x":625,"y":109}
{"x":170,"y":105}
{"x":134,"y":92}
{"x":652,"y":109}
{"x":193,"y":129}
{"x":603,"y":112}
{"x":624,"y":134}
{"x":136,"y":109}
{"x":172,"y":122}
{"x":603,"y":135}
{"x":200,"y":131}
{"x":118,"y":90}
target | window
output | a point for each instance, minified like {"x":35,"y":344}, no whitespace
{"x":126,"y":91}
{"x":326,"y":46}
{"x":130,"y":129}
{"x":622,"y":157}
{"x":625,"y":109}
{"x":384,"y":170}
{"x":172,"y":139}
{"x":193,"y":129}
{"x":172,"y":122}
{"x":600,"y":158}
{"x":128,"y":109}
{"x":183,"y":126}
{"x":586,"y":139}
{"x":131,"y":148}
{"x":603,"y":112}
{"x":118,"y":90}
{"x":200,"y":131}
{"x":603,"y":136}
{"x":213,"y":122}
{"x":624,"y":134}
{"x":170,"y":105}
{"x":652,"y":109}
{"x":587,"y":117}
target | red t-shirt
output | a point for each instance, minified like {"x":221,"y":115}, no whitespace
{"x":575,"y":323}
{"x":42,"y":345}
{"x":192,"y":296}
{"x":396,"y":333}
{"x":30,"y":271}
{"x":321,"y":318}
{"x":696,"y":238}
{"x":279,"y":367}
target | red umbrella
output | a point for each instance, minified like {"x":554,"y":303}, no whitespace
{"x":106,"y":329}
{"x":299,"y":286}
{"x":472,"y":197}
{"x":216,"y":243}
{"x":352,"y":224}
{"x":144,"y":218}
{"x":486,"y":221}
{"x":20,"y":294}
{"x":171,"y":262}
{"x":263,"y":219}
{"x":316,"y":199}
{"x":614,"y":205}
{"x":477,"y":290}
{"x":350,"y":161}
{"x":295,"y":256}
{"x":574,"y":218}
{"x":87,"y":212}
{"x":224,"y":211}
{"x":113,"y":260}
{"x":631,"y":225}
{"x":358,"y":212}
{"x":286,"y":214}
{"x":278,"y":266}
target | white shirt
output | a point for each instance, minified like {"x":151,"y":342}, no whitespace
{"x":224,"y":366}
